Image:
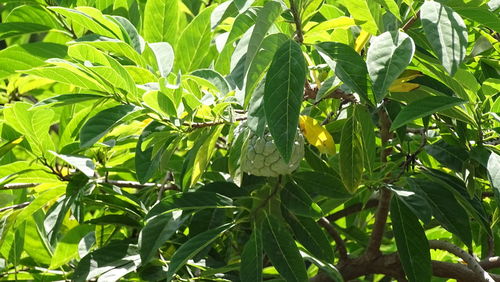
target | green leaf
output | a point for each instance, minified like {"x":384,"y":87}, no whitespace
{"x":156,"y":232}
{"x":388,"y":56}
{"x":68,"y":74}
{"x":351,"y":155}
{"x":450,"y":156}
{"x":164,"y":54}
{"x":193,"y":246}
{"x":283,"y":95}
{"x":424,"y":107}
{"x":67,"y":99}
{"x":147,"y":164}
{"x":493,"y":167}
{"x":446,"y":32}
{"x":265,"y":19}
{"x":481,"y":15}
{"x":280,"y":248}
{"x":415,"y":202}
{"x":367,"y":14}
{"x":67,"y":246}
{"x":161,"y":21}
{"x":348,"y":65}
{"x":413,"y":247}
{"x":53,"y":192}
{"x":311,"y":236}
{"x":194,"y":42}
{"x":214,"y":78}
{"x":256,"y":120}
{"x":191,"y":200}
{"x":322,"y":183}
{"x":110,"y":262}
{"x":445,"y":208}
{"x":299,"y":202}
{"x":27,"y":56}
{"x":85,"y":165}
{"x":19,"y":28}
{"x":251,"y":258}
{"x":97,"y":126}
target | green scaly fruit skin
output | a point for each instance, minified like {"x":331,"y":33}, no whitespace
{"x":263,"y":158}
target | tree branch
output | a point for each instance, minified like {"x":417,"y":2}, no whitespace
{"x":340,"y":244}
{"x":469,"y":259}
{"x":352,"y":209}
{"x":381,"y":214}
{"x":489,"y":263}
{"x":410,"y":22}
{"x":298,"y":22}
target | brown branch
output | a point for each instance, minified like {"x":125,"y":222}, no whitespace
{"x":490,"y":263}
{"x":298,"y":22}
{"x":410,"y":22}
{"x":472,"y":263}
{"x":15,"y":207}
{"x":352,"y":209}
{"x":340,"y":244}
{"x":456,"y":271}
{"x":381,"y":215}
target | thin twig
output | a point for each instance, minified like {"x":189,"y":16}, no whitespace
{"x":298,"y":22}
{"x":472,"y":263}
{"x":490,"y":263}
{"x":381,"y":214}
{"x":15,"y":207}
{"x":410,"y":22}
{"x":340,"y":244}
{"x":208,"y":124}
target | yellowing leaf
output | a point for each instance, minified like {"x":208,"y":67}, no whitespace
{"x":403,"y":86}
{"x":317,"y":135}
{"x":361,"y":40}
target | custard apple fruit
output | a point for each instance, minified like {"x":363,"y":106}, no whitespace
{"x":262,"y":157}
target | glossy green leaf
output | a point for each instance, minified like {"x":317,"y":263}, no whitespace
{"x":67,"y":247}
{"x":191,"y":200}
{"x":446,"y":32}
{"x":194,"y":42}
{"x":493,"y":167}
{"x":97,"y":126}
{"x":193,"y":246}
{"x":164,"y":54}
{"x":311,"y":236}
{"x":110,"y":262}
{"x":351,"y":155}
{"x":366,"y":13}
{"x":161,"y":21}
{"x":299,"y":202}
{"x":265,"y":19}
{"x":147,"y":164}
{"x":451,"y":156}
{"x":322,"y":183}
{"x":68,"y":74}
{"x":53,"y":192}
{"x":348,"y":65}
{"x":283,"y":96}
{"x":445,"y":208}
{"x":10,"y":29}
{"x":67,"y":99}
{"x":413,"y":247}
{"x":256,"y":120}
{"x":415,"y":202}
{"x":388,"y":56}
{"x":156,"y":232}
{"x":252,"y":258}
{"x":424,"y":107}
{"x":85,"y":165}
{"x":280,"y":248}
{"x":24,"y":57}
{"x":214,"y":78}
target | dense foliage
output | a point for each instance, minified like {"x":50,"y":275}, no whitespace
{"x":127,"y":128}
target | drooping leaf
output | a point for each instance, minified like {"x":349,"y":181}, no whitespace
{"x":164,"y":54}
{"x":110,"y":262}
{"x":67,"y":246}
{"x":388,"y":56}
{"x":251,"y":258}
{"x":446,"y":32}
{"x":445,"y":208}
{"x":351,"y":155}
{"x":424,"y":107}
{"x":97,"y":126}
{"x":348,"y":65}
{"x":299,"y":202}
{"x":11,"y":29}
{"x":156,"y":232}
{"x":451,"y":156}
{"x":283,"y":96}
{"x":415,"y":202}
{"x":281,"y":250}
{"x":413,"y":247}
{"x":85,"y":165}
{"x":311,"y":236}
{"x":365,"y":12}
{"x":193,"y":246}
{"x":67,"y":99}
{"x":493,"y":167}
{"x":321,"y":183}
